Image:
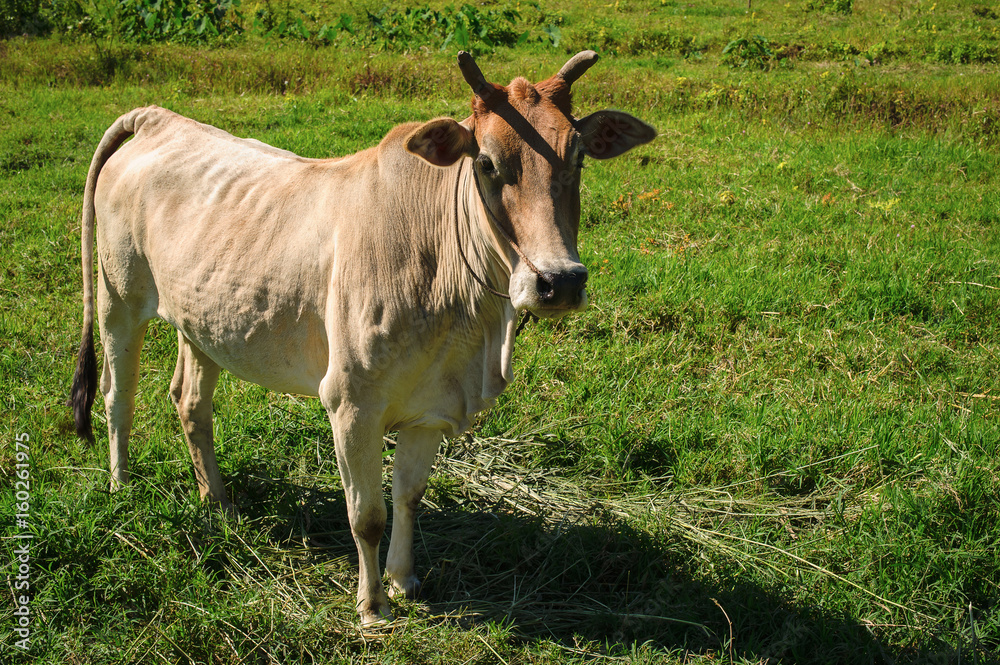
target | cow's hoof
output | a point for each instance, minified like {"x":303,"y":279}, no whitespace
{"x":410,"y":588}
{"x":221,"y":505}
{"x":372,"y":618}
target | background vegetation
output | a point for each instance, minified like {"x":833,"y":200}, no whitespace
{"x":772,"y":438}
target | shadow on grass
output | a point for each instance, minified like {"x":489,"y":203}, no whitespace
{"x":576,"y":578}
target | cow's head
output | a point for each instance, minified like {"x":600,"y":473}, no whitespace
{"x":527,"y":151}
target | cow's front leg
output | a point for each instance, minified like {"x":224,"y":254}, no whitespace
{"x":415,"y":451}
{"x":358,"y":440}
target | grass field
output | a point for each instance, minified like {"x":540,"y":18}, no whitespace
{"x":773,"y":437}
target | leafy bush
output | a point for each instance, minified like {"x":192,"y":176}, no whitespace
{"x":21,"y":16}
{"x":203,"y":21}
{"x":145,"y":21}
{"x":610,"y":39}
{"x":839,"y":50}
{"x":748,"y":53}
{"x":837,"y":6}
{"x":963,"y":53}
{"x":882,"y":52}
{"x":466,"y":27}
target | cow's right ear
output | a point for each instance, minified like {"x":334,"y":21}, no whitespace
{"x":442,"y":142}
{"x":608,"y":133}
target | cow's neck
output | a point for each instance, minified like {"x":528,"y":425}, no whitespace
{"x":485,"y":254}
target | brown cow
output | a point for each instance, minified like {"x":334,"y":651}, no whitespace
{"x":374,"y":281}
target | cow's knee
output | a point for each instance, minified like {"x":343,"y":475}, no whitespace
{"x":188,"y":411}
{"x":369,"y":525}
{"x":416,"y":494}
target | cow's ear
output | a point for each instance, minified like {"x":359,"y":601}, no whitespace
{"x":607,"y":134}
{"x":442,"y":142}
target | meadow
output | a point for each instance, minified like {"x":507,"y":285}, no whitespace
{"x":774,"y":436}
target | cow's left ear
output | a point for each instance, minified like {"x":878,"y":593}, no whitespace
{"x":607,"y":134}
{"x":442,"y":142}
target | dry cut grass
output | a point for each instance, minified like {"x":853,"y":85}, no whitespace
{"x":592,"y":567}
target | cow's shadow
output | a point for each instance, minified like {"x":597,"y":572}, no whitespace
{"x":592,"y":580}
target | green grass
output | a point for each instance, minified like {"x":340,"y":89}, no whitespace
{"x":773,"y":437}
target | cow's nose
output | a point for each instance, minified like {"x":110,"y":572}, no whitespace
{"x":563,"y":288}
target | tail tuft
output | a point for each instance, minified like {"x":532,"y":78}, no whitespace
{"x":84,"y":386}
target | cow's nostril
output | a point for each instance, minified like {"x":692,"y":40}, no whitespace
{"x":546,"y":290}
{"x":573,"y":282}
{"x":563,"y":289}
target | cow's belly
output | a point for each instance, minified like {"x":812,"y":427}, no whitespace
{"x":279,"y":348}
{"x":273,"y":366}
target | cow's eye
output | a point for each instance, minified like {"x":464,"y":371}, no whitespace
{"x":486,"y":165}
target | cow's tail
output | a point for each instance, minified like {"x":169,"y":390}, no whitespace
{"x":85,"y":379}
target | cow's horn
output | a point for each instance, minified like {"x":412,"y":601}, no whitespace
{"x":473,"y":75}
{"x":577,"y":65}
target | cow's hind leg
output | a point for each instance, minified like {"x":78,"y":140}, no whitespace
{"x":191,"y":390}
{"x":122,"y":330}
{"x":415,"y":452}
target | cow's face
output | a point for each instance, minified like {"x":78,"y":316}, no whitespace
{"x":528,"y":151}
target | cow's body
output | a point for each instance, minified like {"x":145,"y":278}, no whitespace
{"x":274,"y":267}
{"x":358,"y":280}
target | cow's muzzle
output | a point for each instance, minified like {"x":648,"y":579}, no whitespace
{"x":551,"y":292}
{"x":564,"y":289}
